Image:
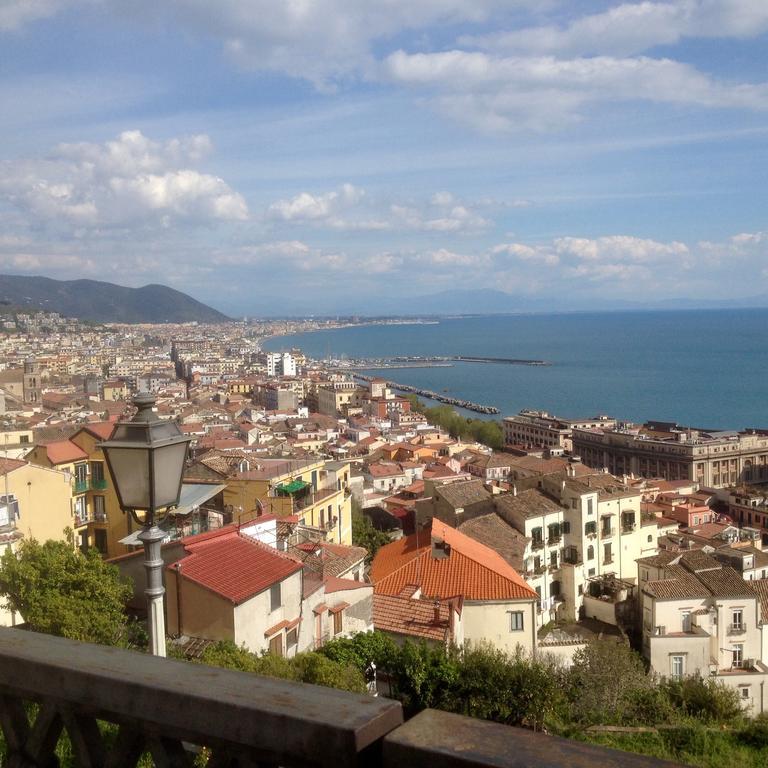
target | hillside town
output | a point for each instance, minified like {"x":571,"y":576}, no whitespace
{"x":652,"y":534}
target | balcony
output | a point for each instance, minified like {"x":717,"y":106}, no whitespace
{"x":607,"y":532}
{"x":554,"y":540}
{"x":737,"y":629}
{"x":537,"y":544}
{"x":628,"y":527}
{"x":172,"y":708}
{"x":98,"y":485}
{"x":80,"y":486}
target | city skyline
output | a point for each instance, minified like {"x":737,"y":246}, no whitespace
{"x":340,"y":150}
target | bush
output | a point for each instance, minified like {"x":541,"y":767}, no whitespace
{"x":755,"y":732}
{"x":362,"y":649}
{"x":707,"y":700}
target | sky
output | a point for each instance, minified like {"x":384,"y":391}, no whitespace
{"x":331,"y":152}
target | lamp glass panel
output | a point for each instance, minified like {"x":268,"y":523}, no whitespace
{"x":169,"y":468}
{"x":130,"y":473}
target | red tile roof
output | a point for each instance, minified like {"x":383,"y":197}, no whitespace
{"x":64,"y":452}
{"x":101,"y":429}
{"x":8,"y":465}
{"x":233,"y":566}
{"x":471,"y":569}
{"x":415,"y":618}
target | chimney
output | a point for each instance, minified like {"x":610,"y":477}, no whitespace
{"x":436,"y":607}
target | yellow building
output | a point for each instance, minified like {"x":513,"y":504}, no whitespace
{"x":97,"y":518}
{"x":116,"y":390}
{"x":35,"y":503}
{"x":316,"y":491}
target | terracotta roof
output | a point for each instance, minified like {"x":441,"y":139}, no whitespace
{"x":333,"y":584}
{"x":499,"y":535}
{"x":101,"y":429}
{"x":416,"y":618}
{"x":233,"y":566}
{"x":8,"y":465}
{"x":470,"y":568}
{"x":681,"y":588}
{"x":463,"y":493}
{"x":760,"y":588}
{"x":64,"y":452}
{"x":725,"y":582}
{"x":529,"y":503}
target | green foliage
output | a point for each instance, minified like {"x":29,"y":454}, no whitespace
{"x":63,"y":592}
{"x":482,"y":431}
{"x":707,"y":700}
{"x":362,"y":649}
{"x":605,"y":682}
{"x":365,"y":535}
{"x":304,"y":667}
{"x":755,"y":732}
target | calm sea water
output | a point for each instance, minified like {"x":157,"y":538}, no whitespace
{"x":699,"y":368}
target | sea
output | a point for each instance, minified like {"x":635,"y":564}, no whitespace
{"x":699,"y":368}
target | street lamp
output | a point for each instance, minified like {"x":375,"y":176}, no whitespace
{"x":146,"y":458}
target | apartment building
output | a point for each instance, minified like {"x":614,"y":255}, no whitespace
{"x":339,"y":398}
{"x":98,"y":520}
{"x":316,"y":491}
{"x":701,"y":618}
{"x":660,"y":449}
{"x":541,"y":429}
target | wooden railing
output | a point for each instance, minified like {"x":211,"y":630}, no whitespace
{"x":174,"y":709}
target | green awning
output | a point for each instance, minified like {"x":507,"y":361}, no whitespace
{"x":293,"y":487}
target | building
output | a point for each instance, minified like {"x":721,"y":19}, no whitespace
{"x":98,"y":520}
{"x":316,"y":491}
{"x":540,"y":429}
{"x":660,"y":449}
{"x":338,"y":398}
{"x":701,"y":618}
{"x":441,"y":563}
{"x":280,"y":364}
{"x":229,"y":586}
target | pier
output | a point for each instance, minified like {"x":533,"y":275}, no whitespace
{"x":431,"y":361}
{"x":431,"y":395}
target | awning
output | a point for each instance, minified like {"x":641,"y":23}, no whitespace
{"x":192,"y":496}
{"x":293,"y":487}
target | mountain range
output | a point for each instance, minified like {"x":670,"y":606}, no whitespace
{"x":102,"y":302}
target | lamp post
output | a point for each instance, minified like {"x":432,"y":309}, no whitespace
{"x":145,"y":457}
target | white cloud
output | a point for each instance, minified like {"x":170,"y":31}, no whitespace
{"x":503,"y":93}
{"x":631,"y":28}
{"x":350,"y":209}
{"x":130,"y":181}
{"x":619,"y":248}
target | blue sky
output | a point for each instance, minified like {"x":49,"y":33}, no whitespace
{"x":245,"y":150}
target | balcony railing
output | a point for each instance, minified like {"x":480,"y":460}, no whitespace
{"x":737,"y":629}
{"x":99,"y":485}
{"x":553,"y":540}
{"x":606,"y":532}
{"x":80,"y":486}
{"x":169,"y":708}
{"x":537,"y":544}
{"x":628,"y":527}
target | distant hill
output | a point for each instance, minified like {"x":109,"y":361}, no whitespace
{"x":105,"y":302}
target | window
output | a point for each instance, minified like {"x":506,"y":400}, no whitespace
{"x":292,"y":637}
{"x":275,"y":598}
{"x":276,"y":645}
{"x":566,"y":527}
{"x":650,"y":538}
{"x":553,"y":559}
{"x":737,"y":618}
{"x":516,"y":623}
{"x":589,"y":506}
{"x":744,"y":692}
{"x":99,"y":510}
{"x":338,"y":622}
{"x":100,"y":539}
{"x":685,"y":620}
{"x":607,"y":554}
{"x":677,"y":666}
{"x":738,"y":655}
{"x":590,"y":552}
{"x":590,"y":528}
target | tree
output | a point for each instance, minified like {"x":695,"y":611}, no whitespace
{"x":311,"y":667}
{"x":605,"y":680}
{"x":364,"y":534}
{"x":60,"y":591}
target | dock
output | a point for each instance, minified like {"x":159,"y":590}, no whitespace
{"x":431,"y":395}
